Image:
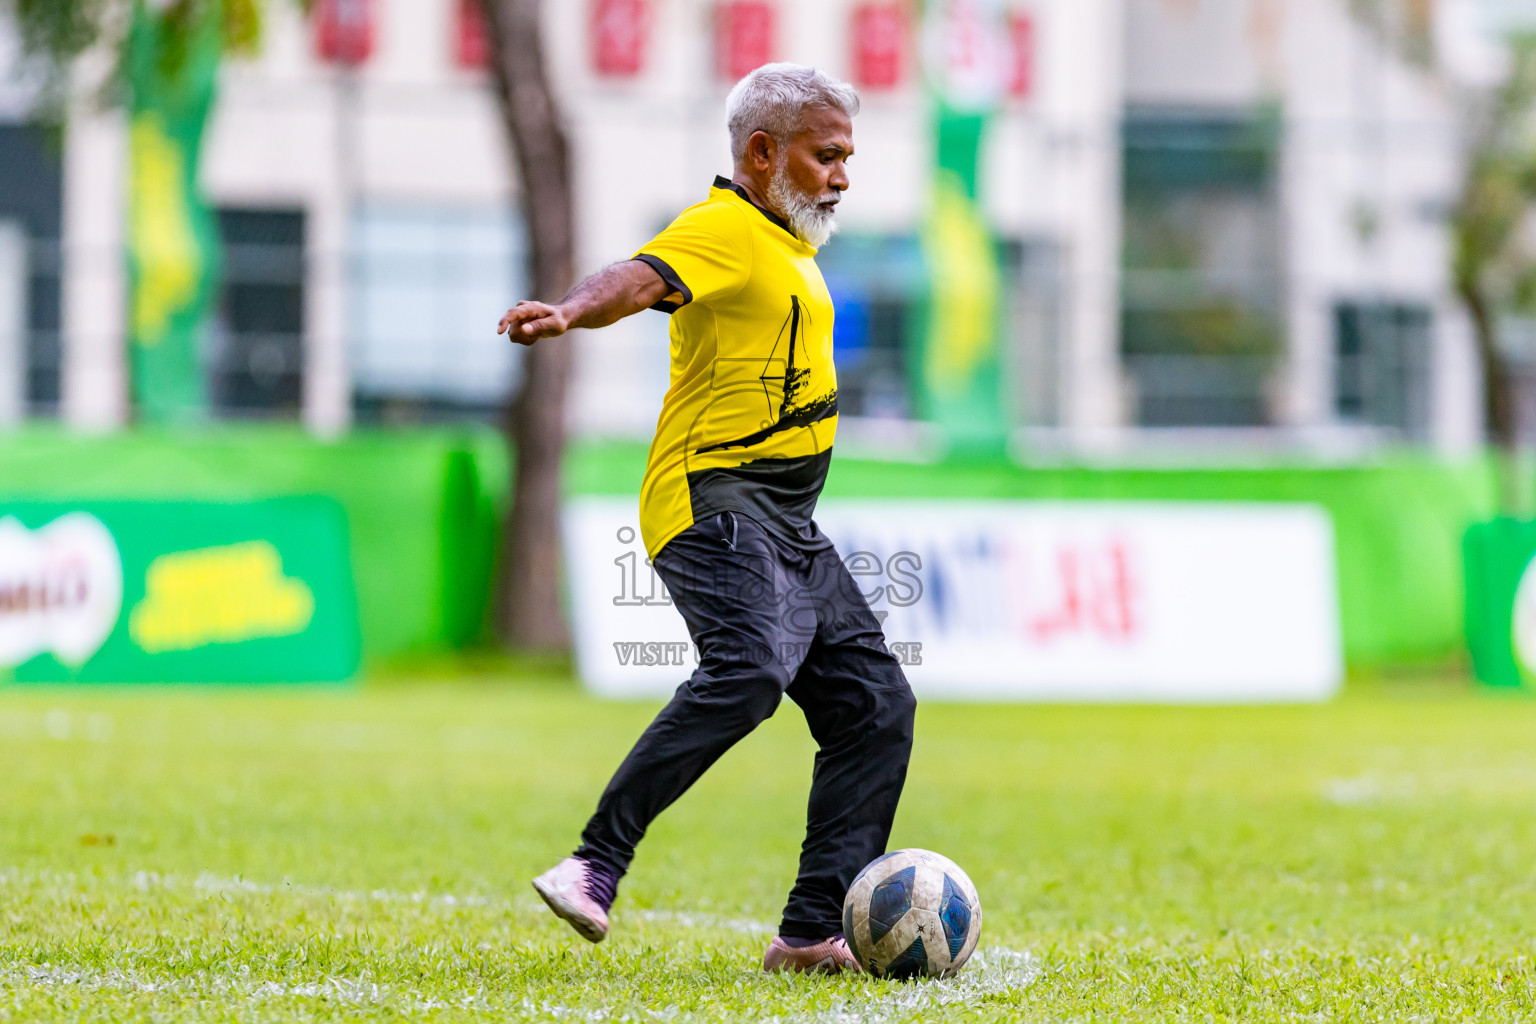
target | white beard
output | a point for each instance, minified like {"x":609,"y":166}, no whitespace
{"x":806,"y":217}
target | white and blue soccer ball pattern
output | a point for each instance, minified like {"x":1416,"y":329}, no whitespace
{"x":912,"y":913}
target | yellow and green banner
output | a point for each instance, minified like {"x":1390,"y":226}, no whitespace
{"x":173,"y":58}
{"x":178,"y":591}
{"x":960,"y":378}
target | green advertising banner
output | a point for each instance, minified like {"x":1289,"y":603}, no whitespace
{"x":960,"y":383}
{"x":173,"y":247}
{"x":1500,"y":559}
{"x":155,"y":592}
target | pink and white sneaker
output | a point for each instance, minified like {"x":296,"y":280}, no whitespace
{"x":829,"y":956}
{"x":567,"y":889}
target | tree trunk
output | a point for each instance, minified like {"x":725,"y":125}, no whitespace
{"x":528,"y":608}
{"x":1498,"y":402}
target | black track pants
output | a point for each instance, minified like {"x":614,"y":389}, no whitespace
{"x":769,"y":620}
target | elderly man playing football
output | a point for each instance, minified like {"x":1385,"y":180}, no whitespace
{"x":740,"y":454}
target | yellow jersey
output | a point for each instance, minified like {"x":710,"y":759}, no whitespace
{"x":748,"y":421}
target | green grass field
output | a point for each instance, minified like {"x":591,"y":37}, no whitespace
{"x":270,"y":855}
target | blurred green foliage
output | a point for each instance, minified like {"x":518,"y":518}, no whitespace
{"x":62,"y":29}
{"x":1495,"y":258}
{"x":1407,"y":25}
{"x":55,"y":32}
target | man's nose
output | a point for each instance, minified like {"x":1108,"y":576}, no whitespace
{"x":838,"y":179}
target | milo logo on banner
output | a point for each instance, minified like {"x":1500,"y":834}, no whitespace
{"x":61,"y":589}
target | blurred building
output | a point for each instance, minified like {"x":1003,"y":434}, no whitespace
{"x":1223,"y":222}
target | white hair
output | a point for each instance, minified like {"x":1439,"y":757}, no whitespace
{"x":774,"y":99}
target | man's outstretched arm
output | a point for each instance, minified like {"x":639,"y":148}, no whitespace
{"x":607,"y":296}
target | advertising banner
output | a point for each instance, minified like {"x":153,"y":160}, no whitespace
{"x":344,"y":31}
{"x":960,"y":377}
{"x":1500,"y":560}
{"x":173,"y":248}
{"x":1015,"y":600}
{"x":471,"y":36}
{"x":878,"y":32}
{"x":162,"y":592}
{"x":745,"y":36}
{"x":619,"y":37}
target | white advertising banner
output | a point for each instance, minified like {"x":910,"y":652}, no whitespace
{"x":1021,"y":600}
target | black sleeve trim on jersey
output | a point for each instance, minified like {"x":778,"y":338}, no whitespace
{"x":670,"y":279}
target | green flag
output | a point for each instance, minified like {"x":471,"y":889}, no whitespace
{"x":961,"y":379}
{"x":173,"y":251}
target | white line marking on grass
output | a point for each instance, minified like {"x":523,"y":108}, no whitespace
{"x":993,"y":972}
{"x":50,"y":976}
{"x":207,"y":882}
{"x":520,"y":902}
{"x":1367,"y":789}
{"x":689,"y":919}
{"x":214,"y":883}
{"x":558,"y":1011}
{"x":990,"y":973}
{"x":56,"y":724}
{"x":346,"y":991}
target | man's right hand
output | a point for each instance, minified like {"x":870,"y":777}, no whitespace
{"x":527,"y":322}
{"x":608,"y":295}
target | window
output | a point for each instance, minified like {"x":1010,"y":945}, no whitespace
{"x":1033,"y":330}
{"x":255,"y":358}
{"x":877,"y":284}
{"x":1381,"y":365}
{"x":427,"y":287}
{"x":1201,"y":324}
{"x":31,"y":203}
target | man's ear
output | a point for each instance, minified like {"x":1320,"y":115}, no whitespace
{"x":762,"y":151}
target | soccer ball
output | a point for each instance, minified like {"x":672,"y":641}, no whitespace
{"x":912,"y":913}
